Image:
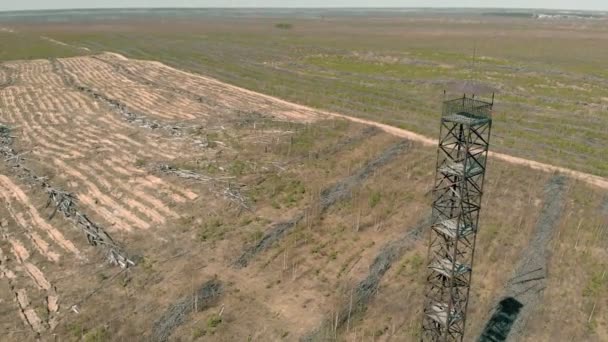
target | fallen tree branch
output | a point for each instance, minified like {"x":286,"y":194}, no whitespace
{"x":175,"y":315}
{"x":229,"y":191}
{"x":64,"y":202}
{"x":189,"y":174}
{"x":234,"y":195}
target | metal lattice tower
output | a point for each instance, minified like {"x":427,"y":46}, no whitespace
{"x":461,"y":164}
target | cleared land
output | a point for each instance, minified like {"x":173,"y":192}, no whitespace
{"x":550,"y":76}
{"x":188,"y":174}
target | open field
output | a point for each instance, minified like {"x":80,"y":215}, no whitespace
{"x":550,"y":76}
{"x":249,"y":218}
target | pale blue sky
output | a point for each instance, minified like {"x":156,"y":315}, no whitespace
{"x":6,"y":5}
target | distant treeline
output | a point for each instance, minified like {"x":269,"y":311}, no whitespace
{"x":511,"y":14}
{"x":547,"y":14}
{"x":283,"y":26}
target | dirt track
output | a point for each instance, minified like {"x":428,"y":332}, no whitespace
{"x":301,"y":109}
{"x":585,"y":177}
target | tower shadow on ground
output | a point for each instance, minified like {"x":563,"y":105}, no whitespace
{"x":498,"y":327}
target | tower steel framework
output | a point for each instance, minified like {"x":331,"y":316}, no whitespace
{"x":461,"y":164}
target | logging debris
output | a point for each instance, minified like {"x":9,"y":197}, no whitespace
{"x":220,"y":186}
{"x":206,"y":296}
{"x":64,"y":202}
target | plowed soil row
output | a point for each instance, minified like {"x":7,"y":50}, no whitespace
{"x":77,"y":123}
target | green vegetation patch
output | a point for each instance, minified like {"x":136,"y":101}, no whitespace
{"x":284,"y":26}
{"x":350,"y":64}
{"x":16,"y":46}
{"x":548,"y":106}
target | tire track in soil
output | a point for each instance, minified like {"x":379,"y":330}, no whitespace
{"x":523,"y":292}
{"x":366,"y":289}
{"x":340,"y":191}
{"x":206,"y":296}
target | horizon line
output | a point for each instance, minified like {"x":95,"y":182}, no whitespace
{"x":604,"y":11}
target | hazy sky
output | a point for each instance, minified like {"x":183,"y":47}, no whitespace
{"x":52,"y":4}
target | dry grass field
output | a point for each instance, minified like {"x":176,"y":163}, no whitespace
{"x":250,"y":218}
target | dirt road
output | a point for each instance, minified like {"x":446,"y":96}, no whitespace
{"x":301,"y":109}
